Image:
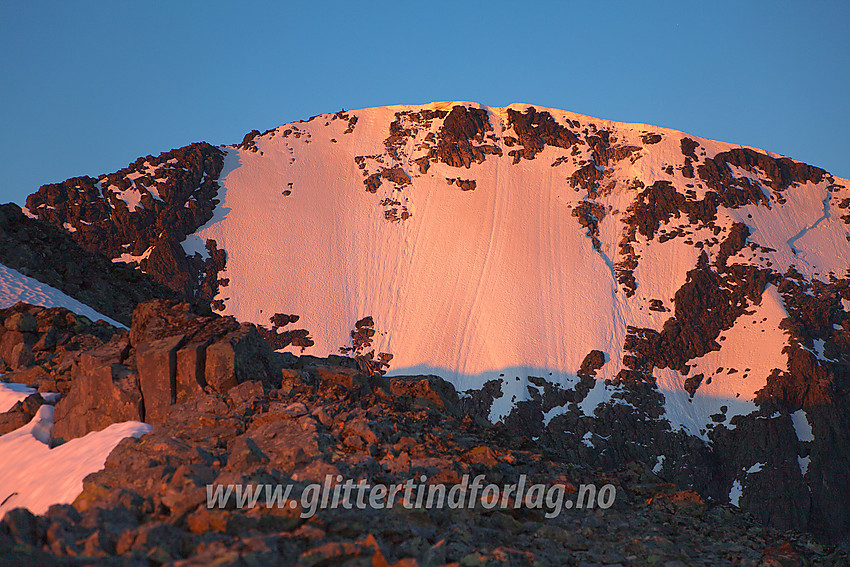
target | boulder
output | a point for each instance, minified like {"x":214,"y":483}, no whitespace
{"x":428,"y":391}
{"x":246,"y":393}
{"x":156,"y":362}
{"x":349,"y":378}
{"x":103,"y":391}
{"x":191,"y":366}
{"x":47,"y":341}
{"x":21,"y":356}
{"x":158,"y":319}
{"x":20,"y":414}
{"x":21,"y":322}
{"x":10,"y":340}
{"x":239,"y":356}
{"x":35,"y":376}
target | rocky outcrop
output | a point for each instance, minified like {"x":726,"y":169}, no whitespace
{"x":589,"y":214}
{"x":426,"y":391}
{"x":38,"y":345}
{"x":170,"y":355}
{"x":238,"y":356}
{"x":534,"y":131}
{"x":464,"y":184}
{"x":461,"y":139}
{"x":149,"y":503}
{"x":103,"y":390}
{"x":780,"y":172}
{"x":141,"y":213}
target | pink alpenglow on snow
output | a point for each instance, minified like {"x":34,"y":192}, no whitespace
{"x":34,"y":476}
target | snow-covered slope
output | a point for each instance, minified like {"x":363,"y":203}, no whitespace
{"x":558,"y":249}
{"x":15,"y":287}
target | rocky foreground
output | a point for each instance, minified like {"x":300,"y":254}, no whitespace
{"x":226,"y":409}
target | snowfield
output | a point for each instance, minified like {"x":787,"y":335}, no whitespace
{"x":499,"y":282}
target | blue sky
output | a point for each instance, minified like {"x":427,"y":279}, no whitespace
{"x":87,"y":87}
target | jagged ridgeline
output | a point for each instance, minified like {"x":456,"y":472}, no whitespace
{"x":615,"y":292}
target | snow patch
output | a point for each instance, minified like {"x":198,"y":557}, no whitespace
{"x":132,"y":197}
{"x":659,"y":464}
{"x":15,"y":287}
{"x":11,"y":393}
{"x":804,"y":464}
{"x":735,"y":493}
{"x":802,"y":427}
{"x":34,"y":476}
{"x":128,"y":258}
{"x":552,"y":413}
{"x":818,"y":345}
{"x":194,"y":244}
{"x":596,"y":396}
{"x":801,"y":232}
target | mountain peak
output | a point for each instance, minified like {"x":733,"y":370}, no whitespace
{"x":499,"y":248}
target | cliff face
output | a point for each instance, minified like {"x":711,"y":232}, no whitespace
{"x":613,"y":292}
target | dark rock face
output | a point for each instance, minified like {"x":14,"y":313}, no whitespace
{"x":594,"y":360}
{"x":587,"y":177}
{"x":589,"y":214}
{"x":49,"y":254}
{"x":536,"y":130}
{"x":604,"y":151}
{"x":394,"y":175}
{"x":144,"y":210}
{"x":660,"y":202}
{"x":464,"y":184}
{"x":688,"y":146}
{"x":703,"y":309}
{"x":461,"y":137}
{"x":279,"y":338}
{"x":780,"y":174}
